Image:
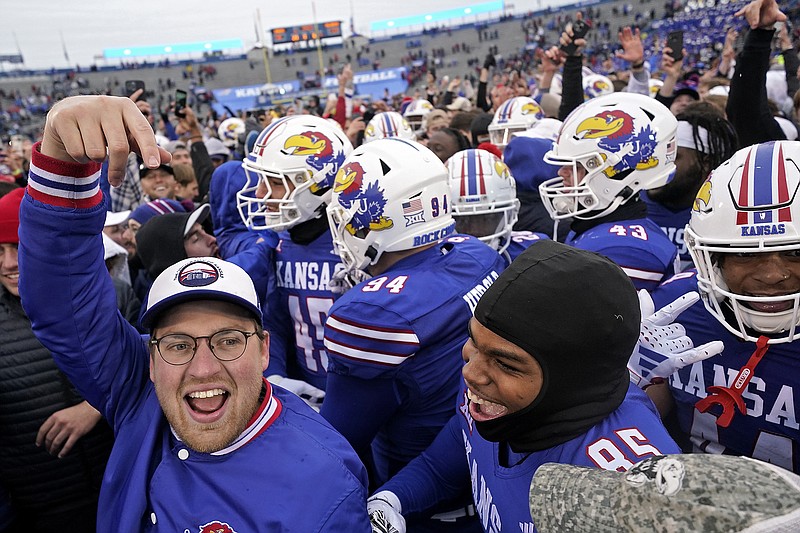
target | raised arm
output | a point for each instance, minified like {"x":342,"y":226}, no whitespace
{"x":64,"y":284}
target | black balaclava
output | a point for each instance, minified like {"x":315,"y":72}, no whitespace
{"x":578,"y":315}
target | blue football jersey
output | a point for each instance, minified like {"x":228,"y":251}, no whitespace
{"x":770,"y":429}
{"x":638,"y":246}
{"x":629,"y":434}
{"x":673,"y":223}
{"x":521,"y":241}
{"x":404,"y":329}
{"x":297,"y":310}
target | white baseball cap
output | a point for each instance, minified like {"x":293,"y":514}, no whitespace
{"x":198,"y":215}
{"x":114,"y":218}
{"x":201,"y":278}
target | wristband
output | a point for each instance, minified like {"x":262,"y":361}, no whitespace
{"x":636,"y":66}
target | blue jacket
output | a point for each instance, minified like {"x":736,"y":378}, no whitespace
{"x":153,"y":482}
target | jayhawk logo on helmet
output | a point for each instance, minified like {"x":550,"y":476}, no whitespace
{"x":532,"y":108}
{"x":703,"y":199}
{"x":595,"y":85}
{"x":318,"y":152}
{"x":617,"y":133}
{"x":229,"y":131}
{"x":216,"y":527}
{"x":370,"y":202}
{"x":502,"y":169}
{"x":599,"y":87}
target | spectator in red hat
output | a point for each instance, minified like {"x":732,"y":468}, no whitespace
{"x":53,"y":451}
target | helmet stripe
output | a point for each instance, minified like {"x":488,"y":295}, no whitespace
{"x":464,"y":177}
{"x":505,"y":110}
{"x":481,"y":182}
{"x":472,"y":187}
{"x":784,"y":213}
{"x":386,"y":126}
{"x":741,"y":216}
{"x":762,"y":188}
{"x":261,"y":142}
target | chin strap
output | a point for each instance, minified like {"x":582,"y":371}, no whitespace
{"x":728,"y":397}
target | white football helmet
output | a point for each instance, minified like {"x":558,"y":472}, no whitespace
{"x":615,"y":146}
{"x":296,"y":157}
{"x":483,"y":197}
{"x":416,"y":111}
{"x":748,"y":205}
{"x":390,"y":195}
{"x":513,"y":116}
{"x":595,"y":85}
{"x":388,"y":124}
{"x":654,"y":85}
{"x":229,"y":131}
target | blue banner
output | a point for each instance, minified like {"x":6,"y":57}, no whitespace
{"x":371,"y":84}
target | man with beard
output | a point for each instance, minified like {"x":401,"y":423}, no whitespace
{"x":204,"y":442}
{"x":534,"y":391}
{"x":705,"y":139}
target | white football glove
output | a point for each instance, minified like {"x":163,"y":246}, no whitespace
{"x":384,"y":513}
{"x":343,"y":280}
{"x":308,"y":393}
{"x":664,"y":347}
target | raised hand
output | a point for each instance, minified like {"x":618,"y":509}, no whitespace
{"x":663,"y":346}
{"x":87,"y":128}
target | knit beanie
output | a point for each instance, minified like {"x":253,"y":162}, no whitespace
{"x":161,"y":206}
{"x":9,"y":216}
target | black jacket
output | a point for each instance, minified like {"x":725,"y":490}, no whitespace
{"x":42,"y":487}
{"x":747,"y":107}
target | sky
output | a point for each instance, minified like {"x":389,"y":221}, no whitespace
{"x":89,"y":26}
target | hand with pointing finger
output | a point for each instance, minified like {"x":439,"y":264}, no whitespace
{"x":90,"y":128}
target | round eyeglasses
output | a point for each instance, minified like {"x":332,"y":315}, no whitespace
{"x":178,"y":348}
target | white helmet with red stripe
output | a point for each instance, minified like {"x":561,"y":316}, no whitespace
{"x":749,"y":205}
{"x":290,"y":172}
{"x":513,"y":116}
{"x":416,"y":111}
{"x":388,"y":124}
{"x":483,"y":196}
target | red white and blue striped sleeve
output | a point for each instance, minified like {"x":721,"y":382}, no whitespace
{"x":63,"y":183}
{"x":373,"y":342}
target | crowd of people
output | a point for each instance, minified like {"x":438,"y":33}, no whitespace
{"x":437,"y":311}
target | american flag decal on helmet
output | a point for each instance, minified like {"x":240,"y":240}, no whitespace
{"x":764,"y":185}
